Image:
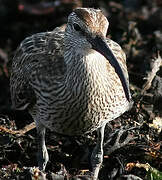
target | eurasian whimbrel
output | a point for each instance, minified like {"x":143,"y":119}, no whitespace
{"x":73,"y":81}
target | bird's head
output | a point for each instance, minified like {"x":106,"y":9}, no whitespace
{"x":84,"y":24}
{"x":86,"y":31}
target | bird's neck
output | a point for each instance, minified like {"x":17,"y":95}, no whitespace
{"x":88,"y":69}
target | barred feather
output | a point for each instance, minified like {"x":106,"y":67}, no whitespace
{"x":64,"y":84}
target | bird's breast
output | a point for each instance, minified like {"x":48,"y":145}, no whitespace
{"x":91,"y":96}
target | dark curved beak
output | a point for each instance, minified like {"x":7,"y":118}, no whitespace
{"x":99,"y":44}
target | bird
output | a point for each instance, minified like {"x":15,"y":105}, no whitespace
{"x":72,"y":80}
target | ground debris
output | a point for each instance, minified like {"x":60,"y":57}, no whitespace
{"x":134,"y":138}
{"x":155,"y":67}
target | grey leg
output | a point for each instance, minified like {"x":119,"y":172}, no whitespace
{"x":42,"y":155}
{"x":97,"y":154}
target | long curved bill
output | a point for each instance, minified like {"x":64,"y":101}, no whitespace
{"x":99,"y":44}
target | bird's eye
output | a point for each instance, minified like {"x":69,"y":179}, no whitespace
{"x":76,"y":27}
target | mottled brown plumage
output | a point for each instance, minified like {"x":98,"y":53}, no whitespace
{"x":98,"y":26}
{"x":73,"y":81}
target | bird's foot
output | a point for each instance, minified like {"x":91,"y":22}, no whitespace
{"x":96,"y":162}
{"x":42,"y":158}
{"x":95,"y":171}
{"x":118,"y":143}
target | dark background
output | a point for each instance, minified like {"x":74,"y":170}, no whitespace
{"x":135,"y":24}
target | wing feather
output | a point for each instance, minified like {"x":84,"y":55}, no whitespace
{"x":34,"y":52}
{"x":120,"y":56}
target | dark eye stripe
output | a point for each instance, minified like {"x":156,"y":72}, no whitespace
{"x":76,"y":27}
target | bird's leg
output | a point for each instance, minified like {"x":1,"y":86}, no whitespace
{"x":42,"y":155}
{"x":97,"y":154}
